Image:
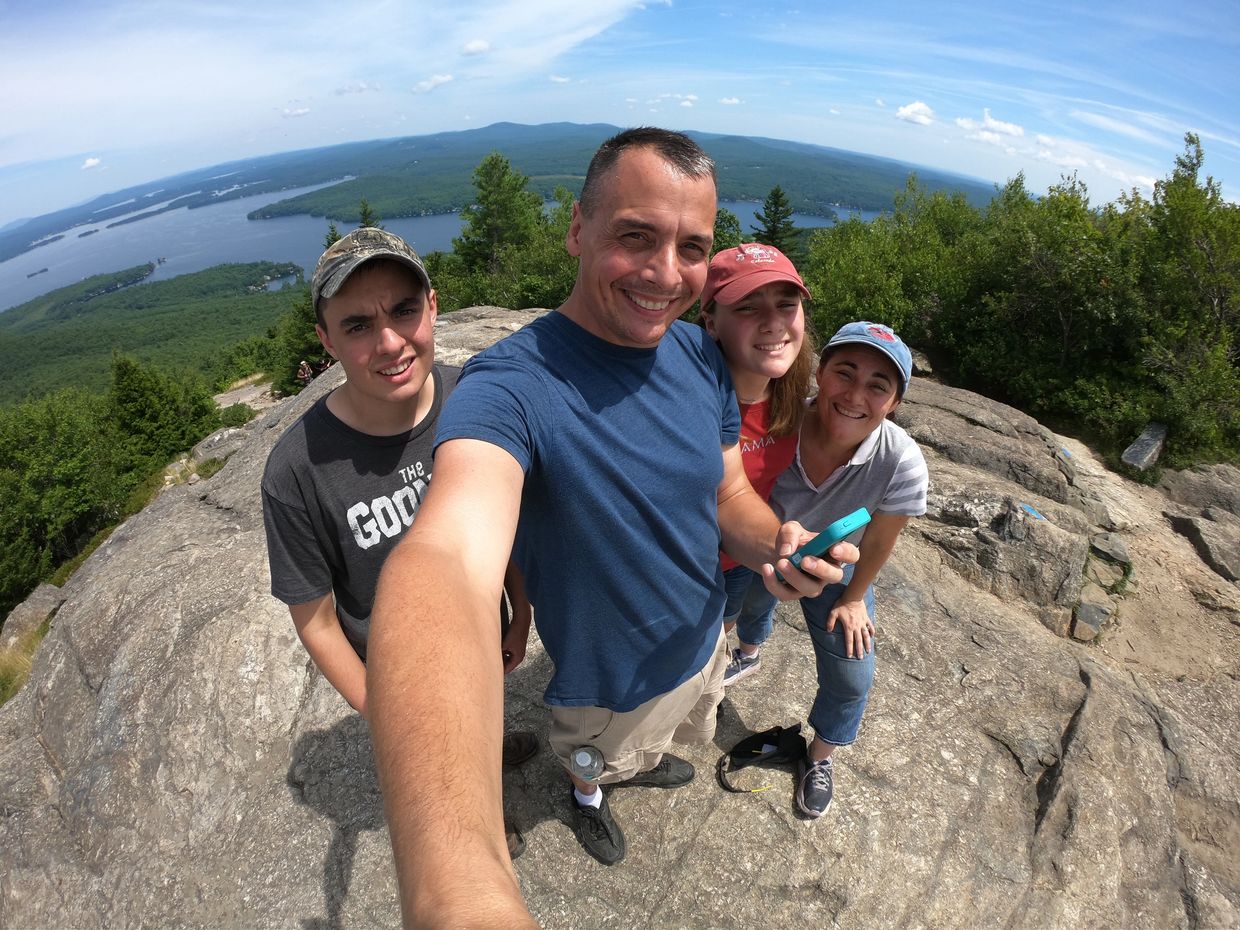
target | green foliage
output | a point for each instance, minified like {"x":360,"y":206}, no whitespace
{"x":1096,"y":321}
{"x":159,"y":415}
{"x":180,"y":324}
{"x":365,"y":216}
{"x":60,"y":479}
{"x":534,"y":270}
{"x":333,"y":236}
{"x":727,"y":231}
{"x":775,"y":218}
{"x":73,"y":463}
{"x":504,"y":214}
{"x":236,"y":415}
{"x":295,"y":338}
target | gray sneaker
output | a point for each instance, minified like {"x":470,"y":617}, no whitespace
{"x":741,"y":666}
{"x":814,"y":787}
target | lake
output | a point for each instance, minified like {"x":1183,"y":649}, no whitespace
{"x":191,"y":240}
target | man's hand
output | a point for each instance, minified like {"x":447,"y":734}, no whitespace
{"x":814,"y":573}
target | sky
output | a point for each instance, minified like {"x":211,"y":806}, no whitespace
{"x":96,"y":95}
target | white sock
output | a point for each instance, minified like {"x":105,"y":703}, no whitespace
{"x":589,"y":800}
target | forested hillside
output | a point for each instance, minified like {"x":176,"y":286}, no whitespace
{"x":66,"y":338}
{"x":415,"y":175}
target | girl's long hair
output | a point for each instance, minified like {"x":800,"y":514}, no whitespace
{"x":788,"y":392}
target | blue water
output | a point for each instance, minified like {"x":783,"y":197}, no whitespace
{"x":191,"y":240}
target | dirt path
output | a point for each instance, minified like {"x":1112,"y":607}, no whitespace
{"x":252,"y":392}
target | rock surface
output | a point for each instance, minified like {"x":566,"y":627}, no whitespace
{"x":176,"y":761}
{"x":31,"y":613}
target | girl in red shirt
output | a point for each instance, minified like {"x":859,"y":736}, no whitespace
{"x":753,"y":307}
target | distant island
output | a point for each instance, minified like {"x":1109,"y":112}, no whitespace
{"x":432,"y":174}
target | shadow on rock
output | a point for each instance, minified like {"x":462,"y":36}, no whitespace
{"x":333,"y":772}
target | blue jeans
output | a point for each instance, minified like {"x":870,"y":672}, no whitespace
{"x":843,"y":683}
{"x":750,"y":606}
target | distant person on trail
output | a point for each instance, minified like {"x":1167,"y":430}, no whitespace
{"x":304,"y":374}
{"x":849,"y":455}
{"x":598,"y":445}
{"x":752,"y":306}
{"x":346,"y":480}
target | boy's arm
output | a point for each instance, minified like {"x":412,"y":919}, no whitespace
{"x":320,"y":632}
{"x":435,"y":690}
{"x":754,"y":537}
{"x":517,"y":638}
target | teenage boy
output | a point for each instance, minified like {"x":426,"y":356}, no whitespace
{"x":347,"y":479}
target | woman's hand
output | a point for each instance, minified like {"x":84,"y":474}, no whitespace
{"x":858,"y":629}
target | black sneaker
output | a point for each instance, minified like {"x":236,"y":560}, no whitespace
{"x":599,"y":834}
{"x":671,"y":772}
{"x":814,"y":787}
{"x":519,"y":746}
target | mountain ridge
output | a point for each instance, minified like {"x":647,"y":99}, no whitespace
{"x":411,"y":175}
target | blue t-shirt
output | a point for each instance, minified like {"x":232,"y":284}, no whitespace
{"x":619,"y":532}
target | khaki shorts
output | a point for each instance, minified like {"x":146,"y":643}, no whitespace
{"x":635,"y":741}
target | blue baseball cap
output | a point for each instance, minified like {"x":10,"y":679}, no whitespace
{"x":880,"y":337}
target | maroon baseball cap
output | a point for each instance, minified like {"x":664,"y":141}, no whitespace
{"x":736,"y":272}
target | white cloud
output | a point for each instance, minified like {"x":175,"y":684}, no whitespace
{"x":1061,"y":161}
{"x":686,"y":103}
{"x":358,"y":87}
{"x":730,"y":101}
{"x":1110,"y":124}
{"x":692,"y":97}
{"x":560,"y":79}
{"x":435,"y":80}
{"x":1041,"y":139}
{"x":916,"y":112}
{"x":294,"y":112}
{"x":476,"y":47}
{"x":91,"y":162}
{"x":834,"y":111}
{"x":991,"y":125}
{"x":880,"y":102}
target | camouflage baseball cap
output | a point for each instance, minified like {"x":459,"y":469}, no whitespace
{"x":346,"y":255}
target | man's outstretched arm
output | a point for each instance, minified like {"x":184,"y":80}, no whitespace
{"x":435,"y":693}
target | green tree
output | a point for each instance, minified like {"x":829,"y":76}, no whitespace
{"x":60,"y":481}
{"x":159,"y":415}
{"x":775,"y":218}
{"x":368,"y":218}
{"x":333,"y":234}
{"x":504,"y":213}
{"x":295,"y":339}
{"x":727,"y":230}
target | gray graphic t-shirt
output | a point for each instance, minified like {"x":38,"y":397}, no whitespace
{"x":336,"y":502}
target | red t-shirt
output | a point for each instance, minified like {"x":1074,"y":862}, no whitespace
{"x":765,"y":456}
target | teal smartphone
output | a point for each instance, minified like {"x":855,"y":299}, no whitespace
{"x":839,"y":530}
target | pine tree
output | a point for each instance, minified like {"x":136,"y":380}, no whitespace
{"x":333,"y":234}
{"x":368,"y":216}
{"x":505,"y":213}
{"x":777,"y":228}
